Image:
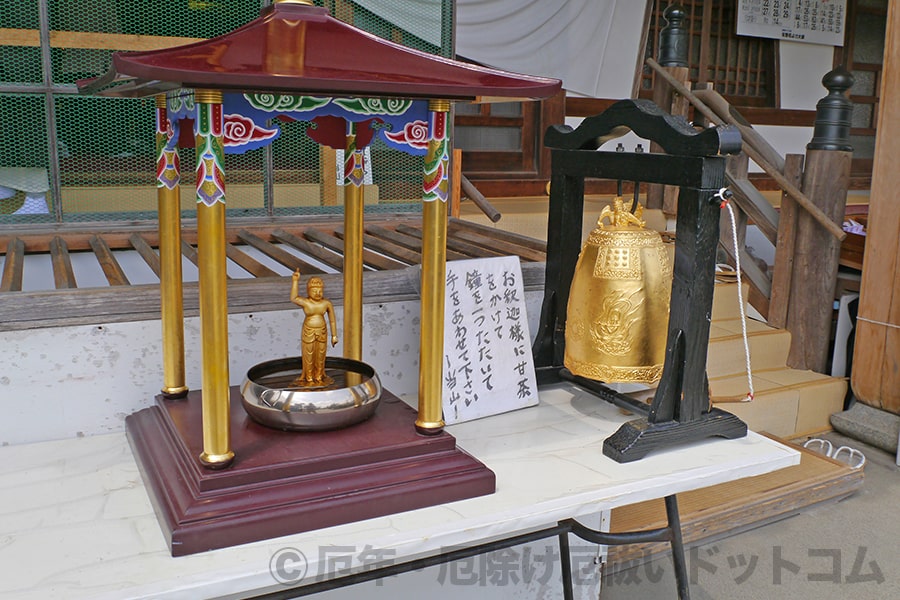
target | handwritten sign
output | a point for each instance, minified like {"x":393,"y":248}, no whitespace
{"x":812,"y":21}
{"x":488,"y":366}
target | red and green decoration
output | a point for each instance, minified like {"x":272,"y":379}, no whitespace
{"x":437,"y":160}
{"x":210,"y":154}
{"x":167,"y":161}
{"x":354,"y":159}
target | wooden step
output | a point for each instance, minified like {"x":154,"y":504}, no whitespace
{"x":725,"y":301}
{"x":774,"y":408}
{"x":819,"y":397}
{"x":787,"y":402}
{"x":726,"y":509}
{"x":726,"y":355}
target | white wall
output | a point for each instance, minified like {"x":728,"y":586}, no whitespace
{"x":802,"y":68}
{"x":65,"y":382}
{"x":591,"y":45}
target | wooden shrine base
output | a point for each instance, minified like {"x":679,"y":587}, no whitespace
{"x":727,"y":509}
{"x":287,"y":482}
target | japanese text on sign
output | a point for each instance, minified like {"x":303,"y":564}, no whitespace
{"x":488,"y":366}
{"x":812,"y":21}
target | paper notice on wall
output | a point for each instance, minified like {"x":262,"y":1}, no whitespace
{"x":488,"y":367}
{"x":811,"y":21}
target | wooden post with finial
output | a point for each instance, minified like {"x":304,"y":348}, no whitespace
{"x":673,"y":57}
{"x":826,"y":180}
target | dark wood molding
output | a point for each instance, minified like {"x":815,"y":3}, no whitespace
{"x":778,"y":116}
{"x":517,"y":188}
{"x":489,"y":121}
{"x":553,"y":112}
{"x":860,"y":178}
{"x":587,"y":107}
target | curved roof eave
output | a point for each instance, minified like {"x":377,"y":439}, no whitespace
{"x":299,"y":49}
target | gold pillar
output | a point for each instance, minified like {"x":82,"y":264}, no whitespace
{"x":168,"y":179}
{"x":434,"y":266}
{"x":210,"y":153}
{"x":354,"y":171}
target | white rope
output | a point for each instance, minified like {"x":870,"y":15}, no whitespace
{"x":737,"y":268}
{"x":882,"y":323}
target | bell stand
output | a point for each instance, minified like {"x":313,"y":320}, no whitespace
{"x":680,"y":411}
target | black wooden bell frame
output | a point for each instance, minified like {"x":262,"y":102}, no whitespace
{"x":680,"y":411}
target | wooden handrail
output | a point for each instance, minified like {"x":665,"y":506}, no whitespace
{"x":720,"y":105}
{"x":758,"y":158}
{"x":472,"y":193}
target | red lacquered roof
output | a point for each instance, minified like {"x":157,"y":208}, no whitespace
{"x":296,"y":48}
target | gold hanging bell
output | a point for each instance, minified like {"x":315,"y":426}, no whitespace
{"x":618,"y":309}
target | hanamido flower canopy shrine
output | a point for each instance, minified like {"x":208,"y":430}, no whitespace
{"x":216,"y":478}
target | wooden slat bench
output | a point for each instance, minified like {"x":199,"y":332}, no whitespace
{"x":265,"y":251}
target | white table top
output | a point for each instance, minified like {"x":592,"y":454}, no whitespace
{"x":76,"y":521}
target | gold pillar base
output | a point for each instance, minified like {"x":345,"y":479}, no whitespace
{"x":217,"y":461}
{"x":174,"y":393}
{"x":429,"y":427}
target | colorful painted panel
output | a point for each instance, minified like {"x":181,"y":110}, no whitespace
{"x":251,"y":120}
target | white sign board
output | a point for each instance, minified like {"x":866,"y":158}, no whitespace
{"x":488,"y":366}
{"x":812,"y":21}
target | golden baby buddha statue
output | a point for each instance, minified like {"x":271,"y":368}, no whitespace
{"x":314,"y":335}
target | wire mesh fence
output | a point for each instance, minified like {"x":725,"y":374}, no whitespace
{"x":68,"y":158}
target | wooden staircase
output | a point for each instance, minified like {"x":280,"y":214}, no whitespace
{"x":788,"y":403}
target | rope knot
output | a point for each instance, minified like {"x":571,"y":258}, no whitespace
{"x":724,"y":195}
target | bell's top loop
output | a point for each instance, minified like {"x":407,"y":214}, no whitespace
{"x":620,"y":217}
